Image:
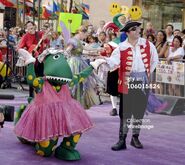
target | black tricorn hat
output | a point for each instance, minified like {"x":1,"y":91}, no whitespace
{"x":129,"y":24}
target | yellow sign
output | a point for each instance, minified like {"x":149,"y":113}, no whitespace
{"x":135,"y":13}
{"x":114,"y":9}
{"x":71,"y":21}
{"x":3,"y":69}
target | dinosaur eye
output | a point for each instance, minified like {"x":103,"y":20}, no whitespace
{"x":56,"y":57}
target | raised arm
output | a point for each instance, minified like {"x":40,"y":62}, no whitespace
{"x":26,"y":59}
{"x":78,"y":78}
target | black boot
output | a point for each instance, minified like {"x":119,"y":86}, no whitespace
{"x":1,"y":124}
{"x":135,"y":142}
{"x":121,"y":144}
{"x":113,"y":112}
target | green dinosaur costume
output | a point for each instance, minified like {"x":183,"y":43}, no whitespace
{"x":53,"y":112}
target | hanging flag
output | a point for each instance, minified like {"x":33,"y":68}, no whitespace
{"x":28,"y":11}
{"x":8,"y":3}
{"x":86,"y":8}
{"x":29,"y":3}
{"x":45,"y":12}
{"x":49,"y":8}
{"x":82,"y":9}
{"x":56,"y":8}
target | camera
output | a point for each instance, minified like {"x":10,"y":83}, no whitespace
{"x":6,"y":114}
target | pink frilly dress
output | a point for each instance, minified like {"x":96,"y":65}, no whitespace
{"x":52,"y":114}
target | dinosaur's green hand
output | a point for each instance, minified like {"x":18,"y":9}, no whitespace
{"x":74,"y":81}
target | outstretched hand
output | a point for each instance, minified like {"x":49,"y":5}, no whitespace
{"x":25,"y":58}
{"x":95,"y":64}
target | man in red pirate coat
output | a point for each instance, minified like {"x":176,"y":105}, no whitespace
{"x":137,"y":58}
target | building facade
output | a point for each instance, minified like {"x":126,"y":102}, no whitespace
{"x":99,"y":9}
{"x":163,"y":12}
{"x":159,"y":12}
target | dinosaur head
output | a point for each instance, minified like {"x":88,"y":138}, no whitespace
{"x":56,"y":68}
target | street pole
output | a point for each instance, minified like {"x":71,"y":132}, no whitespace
{"x":24,"y":11}
{"x":39,"y":4}
{"x":17,"y":13}
{"x":71,"y":5}
{"x":34,"y":11}
{"x":61,"y":5}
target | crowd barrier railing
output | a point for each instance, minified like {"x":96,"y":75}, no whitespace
{"x":10,"y":59}
{"x":169,"y":78}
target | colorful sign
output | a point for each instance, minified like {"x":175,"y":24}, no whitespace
{"x":71,"y":21}
{"x":170,"y":73}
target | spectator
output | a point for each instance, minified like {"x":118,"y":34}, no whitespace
{"x":161,"y":46}
{"x":183,"y":38}
{"x":175,"y":53}
{"x":102,"y":38}
{"x":169,"y":33}
{"x":160,"y":43}
{"x":90,"y":30}
{"x":100,"y":29}
{"x":151,"y":38}
{"x":55,"y":41}
{"x":177,"y":32}
{"x":93,"y":41}
{"x":149,"y":30}
{"x":112,"y":36}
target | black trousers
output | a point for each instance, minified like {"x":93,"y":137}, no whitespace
{"x":132,"y":108}
{"x":112,"y":83}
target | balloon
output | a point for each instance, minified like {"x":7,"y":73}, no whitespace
{"x":114,"y":9}
{"x":135,"y":13}
{"x":124,"y":10}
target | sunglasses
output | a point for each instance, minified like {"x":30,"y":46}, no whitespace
{"x":133,"y":28}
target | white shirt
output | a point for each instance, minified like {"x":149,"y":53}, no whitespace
{"x":170,"y":39}
{"x":178,"y":52}
{"x":137,"y":64}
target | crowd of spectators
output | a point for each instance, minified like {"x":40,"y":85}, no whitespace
{"x":170,"y":42}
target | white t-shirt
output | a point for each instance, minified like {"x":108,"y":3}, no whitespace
{"x":179,"y":51}
{"x":170,"y":39}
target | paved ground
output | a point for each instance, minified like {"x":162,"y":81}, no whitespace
{"x":164,"y":144}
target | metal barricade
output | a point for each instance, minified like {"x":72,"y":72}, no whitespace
{"x":20,"y":72}
{"x":14,"y":73}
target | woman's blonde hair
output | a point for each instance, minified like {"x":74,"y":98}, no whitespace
{"x":82,"y":29}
